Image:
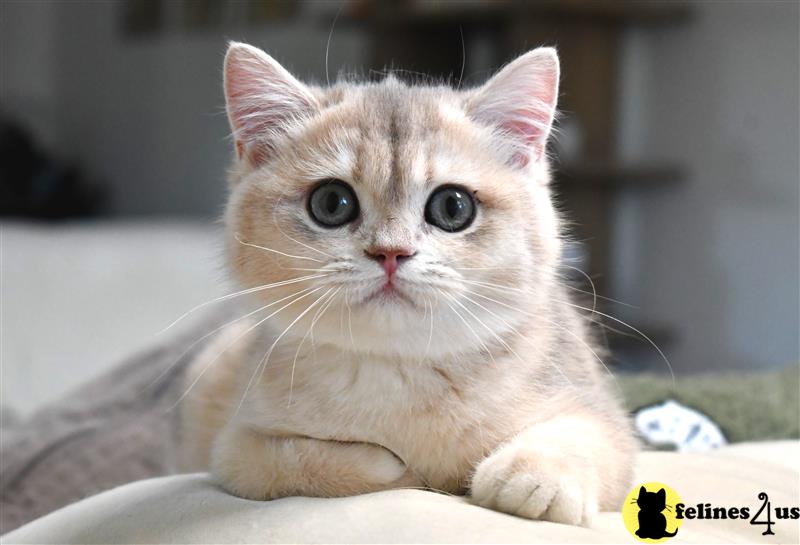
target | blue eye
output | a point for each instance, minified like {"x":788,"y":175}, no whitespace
{"x":450,"y":208}
{"x":333,"y":203}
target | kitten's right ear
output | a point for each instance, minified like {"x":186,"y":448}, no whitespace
{"x":262,"y":99}
{"x":642,"y":490}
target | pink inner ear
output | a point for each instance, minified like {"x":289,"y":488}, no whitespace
{"x":249,"y":122}
{"x":528,"y":125}
{"x":245,"y":111}
{"x":520,"y":101}
{"x":262,"y":100}
{"x":254,"y":115}
{"x":532,"y":130}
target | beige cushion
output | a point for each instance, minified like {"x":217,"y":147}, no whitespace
{"x":191,"y":509}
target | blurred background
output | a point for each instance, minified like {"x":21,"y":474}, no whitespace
{"x":676,"y":160}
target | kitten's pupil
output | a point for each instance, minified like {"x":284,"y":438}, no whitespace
{"x":332,"y":202}
{"x":453,"y":206}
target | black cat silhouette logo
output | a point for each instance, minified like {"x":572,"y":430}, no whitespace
{"x":649,"y":512}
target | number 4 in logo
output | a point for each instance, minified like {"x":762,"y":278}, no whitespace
{"x":768,"y":532}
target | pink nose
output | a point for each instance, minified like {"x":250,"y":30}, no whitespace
{"x":390,"y":258}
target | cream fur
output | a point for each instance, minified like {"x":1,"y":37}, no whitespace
{"x":483,"y":380}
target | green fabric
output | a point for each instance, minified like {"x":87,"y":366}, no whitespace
{"x":746,"y":406}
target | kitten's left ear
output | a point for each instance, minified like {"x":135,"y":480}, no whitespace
{"x":520,"y":101}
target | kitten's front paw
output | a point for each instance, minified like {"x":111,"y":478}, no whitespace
{"x":258,"y":466}
{"x":529,"y":483}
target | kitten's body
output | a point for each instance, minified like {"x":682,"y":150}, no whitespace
{"x":469,"y":371}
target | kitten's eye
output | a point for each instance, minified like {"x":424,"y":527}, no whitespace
{"x":450,"y":208}
{"x":333,"y":203}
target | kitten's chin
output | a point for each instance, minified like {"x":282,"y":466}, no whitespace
{"x":395,"y":330}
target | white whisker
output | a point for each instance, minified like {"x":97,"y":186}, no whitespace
{"x":499,"y":287}
{"x":648,"y":339}
{"x":589,"y":279}
{"x":303,"y":244}
{"x":328,"y":45}
{"x":593,"y":293}
{"x":517,"y":332}
{"x":306,"y":245}
{"x":563,"y":328}
{"x":463,"y":57}
{"x":596,"y":296}
{"x":349,"y":318}
{"x":219,"y":353}
{"x":489,"y":329}
{"x":495,"y":286}
{"x":244,"y":292}
{"x":259,"y":371}
{"x":475,"y":333}
{"x":217,"y":329}
{"x":487,"y":268}
{"x":430,"y":333}
{"x":589,"y":348}
{"x":310,"y":270}
{"x":320,"y":312}
{"x":341,"y":320}
{"x":240,"y":241}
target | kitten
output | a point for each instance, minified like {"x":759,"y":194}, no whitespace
{"x":652,"y":523}
{"x":414,"y":331}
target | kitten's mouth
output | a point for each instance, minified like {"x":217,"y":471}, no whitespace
{"x":389,"y":293}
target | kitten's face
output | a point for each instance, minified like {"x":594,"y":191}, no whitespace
{"x":652,"y":501}
{"x":416,"y":227}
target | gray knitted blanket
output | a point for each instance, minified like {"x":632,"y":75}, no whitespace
{"x":114,"y":430}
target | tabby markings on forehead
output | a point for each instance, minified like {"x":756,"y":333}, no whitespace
{"x":395,"y":192}
{"x":358,"y":163}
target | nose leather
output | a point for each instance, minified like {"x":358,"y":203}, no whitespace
{"x":390,"y":258}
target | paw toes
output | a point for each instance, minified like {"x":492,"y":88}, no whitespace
{"x":538,"y":501}
{"x":534,"y":491}
{"x":486,"y":486}
{"x":516,"y":492}
{"x":566,"y":506}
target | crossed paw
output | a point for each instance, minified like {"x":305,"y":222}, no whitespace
{"x":535,"y":484}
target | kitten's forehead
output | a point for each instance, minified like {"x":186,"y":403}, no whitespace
{"x":398,"y":137}
{"x":395,"y":143}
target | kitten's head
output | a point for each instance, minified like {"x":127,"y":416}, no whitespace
{"x":405,"y":220}
{"x":652,"y":501}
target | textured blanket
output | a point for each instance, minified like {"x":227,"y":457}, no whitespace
{"x":191,"y":509}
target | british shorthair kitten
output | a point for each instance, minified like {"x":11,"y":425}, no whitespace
{"x":412,"y":328}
